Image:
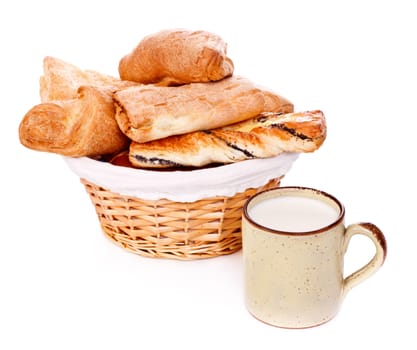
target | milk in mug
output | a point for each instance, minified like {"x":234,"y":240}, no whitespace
{"x":293,"y":214}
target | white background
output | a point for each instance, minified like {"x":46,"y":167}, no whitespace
{"x":65,"y":286}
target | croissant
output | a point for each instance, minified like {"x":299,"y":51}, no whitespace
{"x":266,"y":135}
{"x":175,"y":57}
{"x":83,"y":126}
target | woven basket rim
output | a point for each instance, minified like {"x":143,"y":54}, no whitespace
{"x":182,"y":186}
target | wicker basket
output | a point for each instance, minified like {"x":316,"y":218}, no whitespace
{"x":163,"y":228}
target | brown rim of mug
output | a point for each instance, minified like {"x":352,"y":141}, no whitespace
{"x":304,"y":233}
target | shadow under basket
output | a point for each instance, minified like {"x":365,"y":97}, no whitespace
{"x":163,"y":228}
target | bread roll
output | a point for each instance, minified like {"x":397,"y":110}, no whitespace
{"x":84,"y":126}
{"x":175,"y":57}
{"x":149,"y":112}
{"x":267,"y":135}
{"x":61,"y":80}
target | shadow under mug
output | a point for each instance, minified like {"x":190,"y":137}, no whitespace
{"x":295,"y":279}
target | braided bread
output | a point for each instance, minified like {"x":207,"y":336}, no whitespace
{"x":267,"y":135}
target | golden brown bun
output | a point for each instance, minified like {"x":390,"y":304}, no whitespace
{"x":175,"y":57}
{"x":61,"y":80}
{"x":149,"y":112}
{"x":83,"y":126}
{"x":266,"y":135}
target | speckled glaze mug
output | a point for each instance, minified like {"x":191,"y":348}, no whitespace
{"x":294,"y":242}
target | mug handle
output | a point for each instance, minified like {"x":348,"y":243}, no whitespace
{"x":378,"y":238}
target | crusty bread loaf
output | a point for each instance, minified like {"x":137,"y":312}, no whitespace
{"x":61,"y":80}
{"x":83,"y":126}
{"x":177,"y":56}
{"x":149,"y":112}
{"x":266,"y":135}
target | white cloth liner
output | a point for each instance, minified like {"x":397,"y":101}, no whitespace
{"x":182,"y":186}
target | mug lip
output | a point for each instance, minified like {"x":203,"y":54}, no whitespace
{"x":336,"y":222}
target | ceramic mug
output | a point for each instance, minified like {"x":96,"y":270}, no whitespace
{"x":294,"y":242}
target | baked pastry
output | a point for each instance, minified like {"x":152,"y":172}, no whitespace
{"x":266,"y":135}
{"x":84,"y":126}
{"x":149,"y":112}
{"x":177,"y":56}
{"x":61,"y":80}
{"x":274,"y":102}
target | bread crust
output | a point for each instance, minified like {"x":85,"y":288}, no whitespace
{"x":267,"y":135}
{"x":148,"y":112}
{"x":177,"y":56}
